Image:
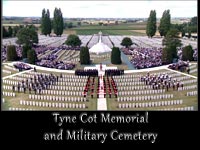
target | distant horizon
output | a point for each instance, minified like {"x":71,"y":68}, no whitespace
{"x":100,"y":9}
{"x":88,"y":17}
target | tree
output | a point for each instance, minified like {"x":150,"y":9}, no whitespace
{"x":15,"y":30}
{"x":126,"y":42}
{"x":27,"y":36}
{"x":183,"y":33}
{"x":167,"y":55}
{"x":46,"y":22}
{"x":43,"y":22}
{"x":100,"y":23}
{"x":116,"y":56}
{"x":32,"y":27}
{"x":10,"y":31}
{"x":84,"y":55}
{"x":32,"y":57}
{"x":58,"y":23}
{"x":187,"y":53}
{"x":73,"y":40}
{"x":70,"y":25}
{"x":25,"y":49}
{"x":5,"y":33}
{"x":179,"y":27}
{"x":11,"y":53}
{"x":79,"y":23}
{"x":151,"y":24}
{"x":171,"y":42}
{"x":165,"y":23}
{"x":189,"y":34}
{"x":194,"y":21}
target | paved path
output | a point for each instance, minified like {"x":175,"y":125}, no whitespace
{"x":158,"y":68}
{"x":182,"y":73}
{"x":101,"y":104}
{"x":127,"y":61}
{"x":101,"y":101}
{"x":146,"y":69}
{"x":12,"y":75}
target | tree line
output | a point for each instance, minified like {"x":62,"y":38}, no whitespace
{"x":165,"y":25}
{"x":57,"y":24}
{"x":26,"y":37}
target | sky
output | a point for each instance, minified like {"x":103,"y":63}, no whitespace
{"x":100,"y":9}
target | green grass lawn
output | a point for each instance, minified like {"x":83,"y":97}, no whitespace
{"x":109,"y":32}
{"x":124,"y":26}
{"x":121,"y":29}
{"x":111,"y":102}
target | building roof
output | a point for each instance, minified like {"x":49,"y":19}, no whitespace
{"x":100,"y":47}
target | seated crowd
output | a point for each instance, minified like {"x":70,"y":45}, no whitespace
{"x":22,"y":66}
{"x":146,"y":57}
{"x":56,"y":64}
{"x":47,"y":60}
{"x":50,"y":61}
{"x":180,"y":65}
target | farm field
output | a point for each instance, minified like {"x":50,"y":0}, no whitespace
{"x":136,"y":29}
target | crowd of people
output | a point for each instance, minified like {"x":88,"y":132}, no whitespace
{"x":3,"y":53}
{"x":22,"y":66}
{"x":146,"y":57}
{"x":50,"y":60}
{"x":89,"y":72}
{"x":195,"y":54}
{"x":180,"y":65}
{"x":161,"y":81}
{"x":56,"y":64}
{"x":41,"y":49}
{"x":36,"y":84}
{"x":114,"y":72}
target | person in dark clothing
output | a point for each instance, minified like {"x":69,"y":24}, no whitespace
{"x":29,"y":89}
{"x":188,"y":70}
{"x":24,"y":89}
{"x":13,"y":88}
{"x":35,"y":90}
{"x":173,"y":86}
{"x":40,"y":90}
{"x":182,"y":85}
{"x":18,"y":88}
